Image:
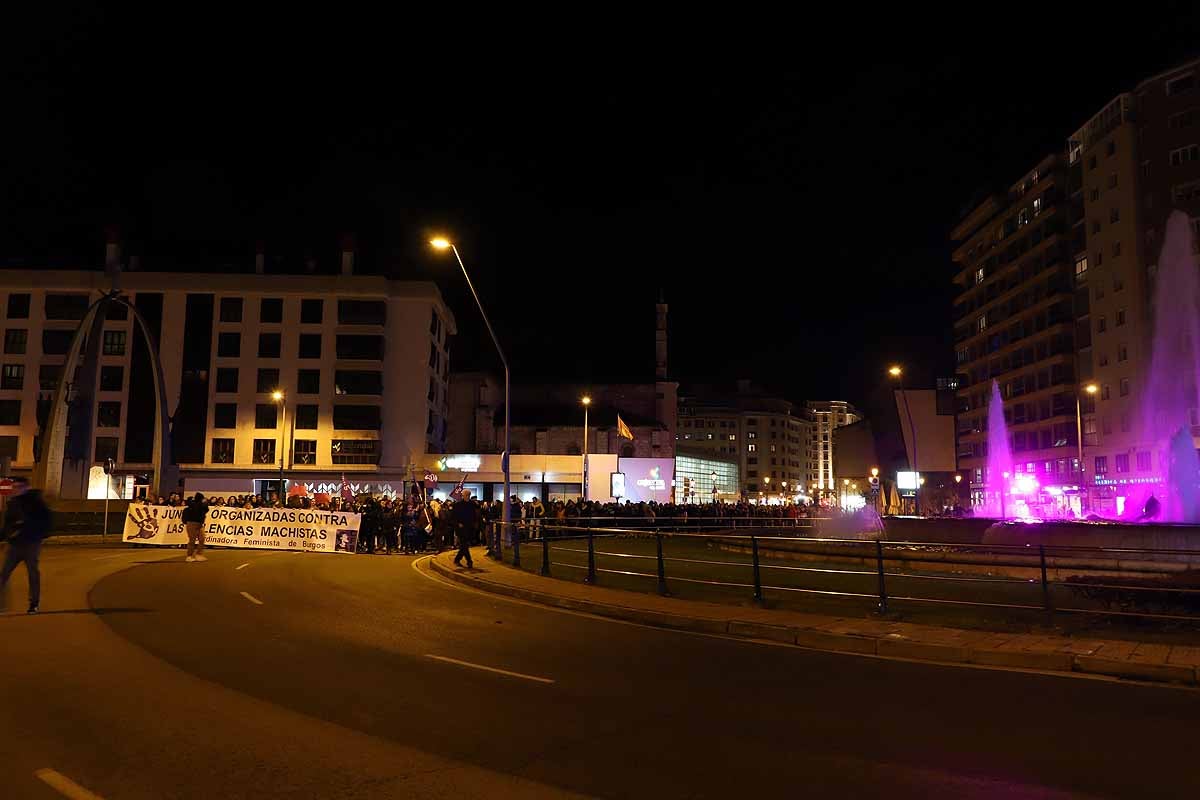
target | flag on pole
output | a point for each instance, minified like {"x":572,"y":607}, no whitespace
{"x":345,"y":491}
{"x":456,"y":492}
{"x":623,"y":429}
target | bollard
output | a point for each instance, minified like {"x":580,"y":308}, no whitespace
{"x":545,"y":554}
{"x":758,"y":592}
{"x":516,"y":545}
{"x":662,"y":570}
{"x":882,"y":586}
{"x":591,"y":573}
{"x":1045,"y":583}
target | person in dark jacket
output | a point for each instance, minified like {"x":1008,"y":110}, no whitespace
{"x":193,"y":518}
{"x":26,"y":525}
{"x":465,"y":521}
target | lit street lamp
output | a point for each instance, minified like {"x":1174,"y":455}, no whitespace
{"x":896,"y":372}
{"x":587,"y":401}
{"x":279,"y":397}
{"x":445,"y":244}
{"x":713,"y":476}
{"x":1091,"y":388}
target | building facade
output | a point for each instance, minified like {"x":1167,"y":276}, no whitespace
{"x":361,"y":364}
{"x":760,"y":434}
{"x":1057,"y":280}
{"x":824,"y":417}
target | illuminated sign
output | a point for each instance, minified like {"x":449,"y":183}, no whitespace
{"x":462,"y":463}
{"x":908,"y":480}
{"x":653,"y":481}
{"x":1124,"y":481}
{"x":618,"y":484}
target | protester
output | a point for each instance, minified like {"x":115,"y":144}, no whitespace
{"x":193,"y":521}
{"x":464,"y":515}
{"x":26,"y":526}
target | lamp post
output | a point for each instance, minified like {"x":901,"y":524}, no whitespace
{"x":279,"y":397}
{"x":767,"y":494}
{"x":445,"y":244}
{"x":587,"y":401}
{"x":1091,"y":388}
{"x":713,"y":477}
{"x":895,"y":371}
{"x":783,"y":494}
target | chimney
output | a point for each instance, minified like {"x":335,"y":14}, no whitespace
{"x":260,"y":258}
{"x":660,"y":339}
{"x":348,"y":254}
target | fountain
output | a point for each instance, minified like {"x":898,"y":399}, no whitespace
{"x":999,"y":460}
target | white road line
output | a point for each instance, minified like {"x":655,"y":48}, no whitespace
{"x":242,"y":566}
{"x":64,"y":785}
{"x":252,"y":598}
{"x":114,"y":555}
{"x":521,"y":675}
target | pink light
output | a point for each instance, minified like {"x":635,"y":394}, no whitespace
{"x":1025,"y":484}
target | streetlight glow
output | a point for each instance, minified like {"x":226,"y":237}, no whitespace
{"x":587,"y":401}
{"x":895,"y":371}
{"x":874,"y":472}
{"x":440,"y":243}
{"x":276,"y":395}
{"x":1091,"y":388}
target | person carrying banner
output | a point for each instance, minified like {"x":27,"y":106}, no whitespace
{"x":26,"y":525}
{"x":193,"y":521}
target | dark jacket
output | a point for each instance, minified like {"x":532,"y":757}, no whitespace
{"x":27,"y":518}
{"x":195,"y":512}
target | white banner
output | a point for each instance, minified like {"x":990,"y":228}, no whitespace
{"x":261,"y":528}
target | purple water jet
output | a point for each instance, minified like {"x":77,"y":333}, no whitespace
{"x":999,"y":458}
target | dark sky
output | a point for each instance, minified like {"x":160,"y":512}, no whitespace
{"x":791,"y":202}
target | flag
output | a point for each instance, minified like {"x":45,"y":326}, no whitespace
{"x":623,"y":429}
{"x":431,"y":480}
{"x":456,"y":492}
{"x":297,"y":489}
{"x":345,"y":491}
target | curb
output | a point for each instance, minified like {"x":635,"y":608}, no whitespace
{"x":815,"y":639}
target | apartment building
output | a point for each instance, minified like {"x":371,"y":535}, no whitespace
{"x":824,"y":417}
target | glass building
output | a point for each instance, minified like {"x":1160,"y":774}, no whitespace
{"x":694,"y":476}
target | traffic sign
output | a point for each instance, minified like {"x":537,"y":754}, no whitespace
{"x":6,"y":487}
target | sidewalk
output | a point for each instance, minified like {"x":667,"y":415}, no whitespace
{"x":1125,"y":659}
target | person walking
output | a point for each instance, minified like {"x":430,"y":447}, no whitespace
{"x":465,"y":522}
{"x":193,"y":517}
{"x":26,"y":525}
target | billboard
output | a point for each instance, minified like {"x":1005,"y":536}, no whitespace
{"x":908,"y":481}
{"x":648,"y":479}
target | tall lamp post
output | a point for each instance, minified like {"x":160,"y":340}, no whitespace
{"x":279,"y":397}
{"x":586,"y":401}
{"x":441,"y":243}
{"x":898,"y":374}
{"x":1091,"y":388}
{"x":713,"y":477}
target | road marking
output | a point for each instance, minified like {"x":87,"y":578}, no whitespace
{"x":252,"y":598}
{"x":114,"y":555}
{"x":64,"y":785}
{"x":242,"y":566}
{"x":521,"y":675}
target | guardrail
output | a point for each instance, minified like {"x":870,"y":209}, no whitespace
{"x":667,"y":557}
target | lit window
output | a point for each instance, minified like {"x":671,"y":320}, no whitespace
{"x":1081,"y":265}
{"x":751,"y":448}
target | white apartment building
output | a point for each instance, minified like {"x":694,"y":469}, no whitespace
{"x":825,"y":415}
{"x":361,"y":362}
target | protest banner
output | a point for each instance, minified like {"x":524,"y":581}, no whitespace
{"x":257,"y":528}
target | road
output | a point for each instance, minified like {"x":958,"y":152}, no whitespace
{"x":305,"y":675}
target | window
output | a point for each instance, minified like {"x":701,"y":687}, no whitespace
{"x":229,"y":345}
{"x":112,"y":379}
{"x":117,"y":311}
{"x":264,"y":451}
{"x":733,"y":437}
{"x":1110,"y":148}
{"x":1124,"y":387}
{"x":48,"y":376}
{"x":56,"y":343}
{"x":1122,"y":462}
{"x":114,"y":343}
{"x":225,"y":415}
{"x":310,"y":345}
{"x":347,"y":381}
{"x":66,"y":306}
{"x":1106,"y":425}
{"x":308,"y":381}
{"x":1185,"y":155}
{"x":1081,"y":266}
{"x":268,"y":381}
{"x":231,"y":311}
{"x":1101,"y":465}
{"x":227,"y":379}
{"x":360,"y":347}
{"x":1095,"y":226}
{"x":1126,"y":427}
{"x":106,"y":448}
{"x":354,"y":451}
{"x":356,"y":418}
{"x":222,"y":451}
{"x":270,"y":309}
{"x":1101,"y":324}
{"x":304,"y":451}
{"x":1116,"y":249}
{"x":1094,"y":194}
{"x":269,"y":345}
{"x":312,"y":311}
{"x":752,"y":435}
{"x":1143,"y":461}
{"x":108,"y":414}
{"x":751,"y":448}
{"x":13,"y":376}
{"x":18,"y":306}
{"x":1184,"y":83}
{"x":1099,"y":258}
{"x":1104,"y":359}
{"x":1038,"y":206}
{"x":306,"y":417}
{"x":15,"y":340}
{"x":266,"y":416}
{"x":1114,"y":215}
{"x":1120,"y":317}
{"x":362,"y":312}
{"x":982,"y":323}
{"x":10,"y":412}
{"x":1122,"y":353}
{"x":1112,"y":181}
{"x":1105,"y":392}
{"x":1184,"y":119}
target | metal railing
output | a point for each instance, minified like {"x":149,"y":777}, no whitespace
{"x":874,"y":570}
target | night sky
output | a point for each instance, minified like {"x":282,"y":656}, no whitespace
{"x":793,"y":208}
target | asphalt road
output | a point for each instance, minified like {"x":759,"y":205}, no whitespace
{"x":307,"y":675}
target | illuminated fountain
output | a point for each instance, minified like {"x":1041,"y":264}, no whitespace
{"x":999,"y":460}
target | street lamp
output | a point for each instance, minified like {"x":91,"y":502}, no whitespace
{"x":896,"y":372}
{"x":587,"y":401}
{"x":1090,"y":388}
{"x":441,"y":243}
{"x":713,"y":477}
{"x":279,"y":397}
